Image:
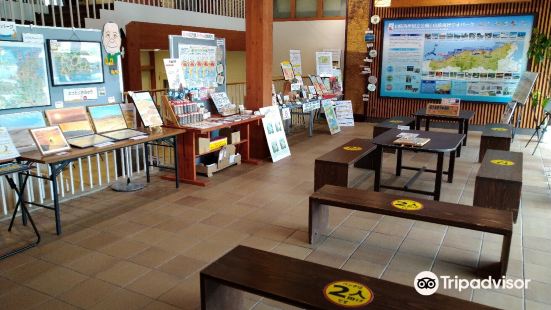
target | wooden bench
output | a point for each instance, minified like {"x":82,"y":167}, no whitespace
{"x":481,"y":219}
{"x":495,"y":137}
{"x":393,"y":123}
{"x":498,"y":183}
{"x":333,"y":167}
{"x":304,"y":284}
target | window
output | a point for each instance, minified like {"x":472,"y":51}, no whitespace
{"x":306,"y":8}
{"x":282,"y":8}
{"x":334,"y":8}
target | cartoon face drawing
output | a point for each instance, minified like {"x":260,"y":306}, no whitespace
{"x":111,"y":38}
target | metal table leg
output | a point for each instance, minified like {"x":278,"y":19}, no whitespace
{"x":427,"y":123}
{"x":417,"y":122}
{"x":311,"y":124}
{"x":451,"y":166}
{"x":147,"y":175}
{"x":399,"y":162}
{"x":175,"y":143}
{"x":378,"y":163}
{"x":57,"y":211}
{"x":439,"y":173}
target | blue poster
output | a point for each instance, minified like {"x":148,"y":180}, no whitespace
{"x":471,"y":58}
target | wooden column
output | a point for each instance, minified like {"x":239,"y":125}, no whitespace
{"x":259,"y":46}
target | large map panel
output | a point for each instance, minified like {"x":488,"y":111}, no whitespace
{"x":472,"y":58}
{"x":23,"y":77}
{"x":74,"y":62}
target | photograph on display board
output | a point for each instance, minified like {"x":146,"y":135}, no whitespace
{"x":146,"y":108}
{"x":23,"y":75}
{"x":8,"y":151}
{"x":107,"y":117}
{"x":49,"y":140}
{"x":74,"y":122}
{"x":472,"y":58}
{"x":18,"y":125}
{"x":75,"y":62}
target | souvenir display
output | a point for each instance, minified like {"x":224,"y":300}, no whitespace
{"x":23,"y":77}
{"x":324,"y":64}
{"x":75,"y":62}
{"x":331,"y":116}
{"x":287,"y":69}
{"x":18,"y":125}
{"x":223,"y":103}
{"x":275,"y":135}
{"x":49,"y":140}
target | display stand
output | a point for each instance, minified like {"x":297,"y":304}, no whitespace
{"x":187,"y":151}
{"x":7,"y":170}
{"x":541,"y":128}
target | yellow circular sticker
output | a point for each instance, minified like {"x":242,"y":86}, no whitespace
{"x":499,"y":129}
{"x":407,"y":205}
{"x":348,"y":294}
{"x":352,"y":148}
{"x":502,"y":162}
{"x":395,"y":121}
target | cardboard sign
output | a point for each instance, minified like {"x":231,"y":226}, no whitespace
{"x":443,"y":109}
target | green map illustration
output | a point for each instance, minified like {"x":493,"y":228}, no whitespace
{"x":481,"y":57}
{"x":23,"y":79}
{"x":76,"y":62}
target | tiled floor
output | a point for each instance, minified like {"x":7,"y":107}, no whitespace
{"x":144,"y":250}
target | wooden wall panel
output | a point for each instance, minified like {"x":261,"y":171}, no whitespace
{"x":387,"y":107}
{"x":418,"y":3}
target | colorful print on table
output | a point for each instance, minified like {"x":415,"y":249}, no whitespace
{"x":107,"y":117}
{"x":74,"y":122}
{"x":18,"y":125}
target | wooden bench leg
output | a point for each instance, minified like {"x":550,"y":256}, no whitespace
{"x":215,"y":295}
{"x":330,"y":173}
{"x":505,"y":252}
{"x":317,"y":220}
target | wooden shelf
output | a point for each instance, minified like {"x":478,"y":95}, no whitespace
{"x":218,"y":149}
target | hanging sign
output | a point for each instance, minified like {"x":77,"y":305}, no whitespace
{"x":80,"y":94}
{"x":7,"y":30}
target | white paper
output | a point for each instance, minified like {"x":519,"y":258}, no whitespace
{"x":173,"y":71}
{"x":33,"y":38}
{"x":7,"y":148}
{"x":324,"y":64}
{"x":345,"y":113}
{"x":286,"y":113}
{"x":80,"y":94}
{"x":296,"y":61}
{"x":275,"y":134}
{"x":58,"y":104}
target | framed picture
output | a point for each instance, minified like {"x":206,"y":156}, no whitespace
{"x":74,"y":122}
{"x":107,"y":117}
{"x":18,"y":125}
{"x":146,"y":108}
{"x":75,"y":62}
{"x":49,"y":140}
{"x":23,"y":77}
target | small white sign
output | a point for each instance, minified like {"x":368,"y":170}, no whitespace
{"x":80,"y":94}
{"x":345,"y":113}
{"x":286,"y":113}
{"x":7,"y":29}
{"x":58,"y":104}
{"x":37,"y":38}
{"x":400,"y":127}
{"x":111,"y":99}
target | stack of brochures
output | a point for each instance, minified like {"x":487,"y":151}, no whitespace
{"x":410,"y":139}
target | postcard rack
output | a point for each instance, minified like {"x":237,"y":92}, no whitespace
{"x":172,"y":119}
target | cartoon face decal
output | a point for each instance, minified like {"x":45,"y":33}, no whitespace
{"x":111,"y":38}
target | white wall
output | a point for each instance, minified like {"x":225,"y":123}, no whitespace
{"x":307,"y":36}
{"x":125,"y":13}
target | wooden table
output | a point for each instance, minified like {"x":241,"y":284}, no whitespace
{"x":58,"y":162}
{"x":311,"y":114}
{"x":333,"y":167}
{"x":187,"y":150}
{"x":463,"y":120}
{"x":440,"y":144}
{"x":394,"y":122}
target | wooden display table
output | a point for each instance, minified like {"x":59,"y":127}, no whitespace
{"x":187,"y":152}
{"x":392,"y":123}
{"x":57,"y":162}
{"x":440,"y":144}
{"x":463,"y":120}
{"x":305,"y":285}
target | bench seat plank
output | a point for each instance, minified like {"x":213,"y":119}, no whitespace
{"x":301,"y":283}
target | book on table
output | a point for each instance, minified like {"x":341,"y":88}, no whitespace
{"x":415,"y":141}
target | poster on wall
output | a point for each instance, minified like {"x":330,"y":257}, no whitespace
{"x":75,"y":62}
{"x":23,"y":77}
{"x":296,"y":61}
{"x":275,"y":133}
{"x":198,"y":65}
{"x":331,"y":116}
{"x":345,"y":113}
{"x":324,"y":64}
{"x":471,"y":58}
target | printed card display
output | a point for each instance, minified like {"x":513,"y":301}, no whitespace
{"x":331,"y":116}
{"x":345,"y":113}
{"x":8,"y":151}
{"x":275,"y":135}
{"x":296,"y":61}
{"x":223,"y":103}
{"x":324,"y":64}
{"x":146,"y":107}
{"x":287,"y":69}
{"x":50,"y":140}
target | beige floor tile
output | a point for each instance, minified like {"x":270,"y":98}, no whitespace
{"x":292,"y":251}
{"x":56,"y":281}
{"x":21,"y":298}
{"x":274,"y":232}
{"x":349,"y":234}
{"x":152,"y":257}
{"x":98,"y":241}
{"x":182,"y":266}
{"x":328,"y":259}
{"x":93,"y":263}
{"x":494,"y":299}
{"x":123,"y":299}
{"x":364,"y":267}
{"x":124,"y":248}
{"x":153,"y":283}
{"x":539,"y":292}
{"x":185,"y":295}
{"x":88,"y":293}
{"x":122,"y":273}
{"x":208,"y":251}
{"x":457,"y":256}
{"x":391,"y":242}
{"x":54,"y":304}
{"x":28,"y":272}
{"x":157,"y":305}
